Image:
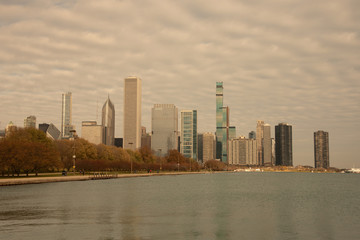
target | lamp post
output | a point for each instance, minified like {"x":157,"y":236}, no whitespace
{"x":73,"y":132}
{"x":131,"y":163}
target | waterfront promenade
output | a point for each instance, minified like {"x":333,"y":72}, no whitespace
{"x":37,"y":180}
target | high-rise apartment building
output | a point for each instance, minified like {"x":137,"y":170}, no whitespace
{"x":242,"y":151}
{"x":283,"y":147}
{"x":164,"y":126}
{"x":209,"y":147}
{"x":108,"y":122}
{"x":259,"y":140}
{"x":188,"y":135}
{"x":266,"y":144}
{"x":321,"y":149}
{"x":30,"y":121}
{"x":222,"y":124}
{"x":66,"y":115}
{"x":132,"y":113}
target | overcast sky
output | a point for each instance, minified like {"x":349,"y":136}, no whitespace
{"x":280,"y":61}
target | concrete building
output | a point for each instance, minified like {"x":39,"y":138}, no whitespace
{"x":200,"y":147}
{"x":266,"y":144}
{"x":321,"y":149}
{"x":30,"y":122}
{"x":259,"y":140}
{"x":66,"y":116}
{"x":118,"y":142}
{"x":92,"y":132}
{"x":145,"y":138}
{"x":243,"y":151}
{"x":50,"y":130}
{"x":132,"y":113}
{"x":222,"y":124}
{"x":164,"y":126}
{"x":108,"y":122}
{"x":283,"y":148}
{"x":209,"y":147}
{"x":188,"y":134}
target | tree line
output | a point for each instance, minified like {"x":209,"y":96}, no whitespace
{"x":29,"y":150}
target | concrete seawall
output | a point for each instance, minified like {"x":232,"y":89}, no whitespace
{"x":37,"y":180}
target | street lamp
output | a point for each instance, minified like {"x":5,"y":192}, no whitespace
{"x":73,"y":133}
{"x":131,"y":163}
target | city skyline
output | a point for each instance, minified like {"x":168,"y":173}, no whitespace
{"x":279,"y":63}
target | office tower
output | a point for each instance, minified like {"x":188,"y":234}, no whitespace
{"x":132,"y":113}
{"x":252,"y":135}
{"x":188,"y":136}
{"x":266,"y":144}
{"x":321,"y":149}
{"x":145,"y":138}
{"x":283,"y":147}
{"x":92,"y":132}
{"x":232,"y":132}
{"x":209,"y":147}
{"x":66,"y":115}
{"x":30,"y":122}
{"x":273,"y":156}
{"x":118,"y":142}
{"x":222,"y":124}
{"x":50,"y":130}
{"x":164,"y":125}
{"x":200,"y":148}
{"x":108,"y":122}
{"x":242,"y":151}
{"x":259,"y":138}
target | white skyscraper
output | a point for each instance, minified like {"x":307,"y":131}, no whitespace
{"x":132,"y":113}
{"x":30,"y":122}
{"x":66,"y":115}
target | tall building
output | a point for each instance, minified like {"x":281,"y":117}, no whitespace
{"x":145,"y":138}
{"x":209,"y":147}
{"x":242,"y":151}
{"x":232,"y":132}
{"x":30,"y":122}
{"x":92,"y":132}
{"x":200,"y":140}
{"x":222,"y":124}
{"x":50,"y":130}
{"x":66,"y":115}
{"x":252,"y":135}
{"x":266,"y":144}
{"x":321,"y":149}
{"x":164,"y":126}
{"x":259,"y":139}
{"x":283,"y":147}
{"x":132,"y":113}
{"x":188,"y":135}
{"x":108,"y":122}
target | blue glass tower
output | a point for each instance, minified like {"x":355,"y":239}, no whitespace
{"x":222,"y":124}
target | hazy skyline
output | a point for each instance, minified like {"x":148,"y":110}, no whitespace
{"x":280,"y":61}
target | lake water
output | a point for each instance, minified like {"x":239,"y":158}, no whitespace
{"x":201,"y":206}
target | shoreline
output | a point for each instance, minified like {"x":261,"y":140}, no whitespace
{"x":38,"y":180}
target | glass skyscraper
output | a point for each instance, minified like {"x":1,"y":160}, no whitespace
{"x":108,"y":122}
{"x":188,"y":139}
{"x":66,"y":115}
{"x":222,"y":124}
{"x":283,"y":146}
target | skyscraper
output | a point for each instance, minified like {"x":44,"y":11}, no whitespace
{"x":92,"y":132}
{"x":222,"y":124}
{"x":259,"y":139}
{"x":209,"y":147}
{"x":188,"y":136}
{"x":266,"y":143}
{"x":50,"y":130}
{"x":283,"y":146}
{"x":132,"y":113}
{"x":164,"y":126}
{"x":66,"y":115}
{"x":30,"y":122}
{"x":321,"y":149}
{"x":108,"y":122}
{"x":252,"y":135}
{"x":242,"y":151}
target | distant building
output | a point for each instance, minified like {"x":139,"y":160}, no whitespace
{"x":9,"y":127}
{"x":283,"y":147}
{"x":66,"y":115}
{"x":132,"y":113}
{"x":188,"y":135}
{"x":209,"y":146}
{"x":145,"y":138}
{"x":232,"y":132}
{"x":252,"y":135}
{"x":266,"y":144}
{"x":92,"y":132}
{"x":30,"y":122}
{"x":259,"y":140}
{"x":321,"y":149}
{"x":164,"y":126}
{"x":118,"y":142}
{"x":200,"y":147}
{"x":222,"y":124}
{"x":273,"y":156}
{"x":242,"y":151}
{"x":2,"y":133}
{"x":50,"y":130}
{"x":108,"y":122}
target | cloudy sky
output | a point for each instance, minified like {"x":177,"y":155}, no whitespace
{"x":280,"y":61}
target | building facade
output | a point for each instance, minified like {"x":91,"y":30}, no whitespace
{"x":92,"y":132}
{"x":66,"y":115}
{"x":243,"y":151}
{"x":267,"y":145}
{"x":164,"y":126}
{"x":188,"y":134}
{"x":283,"y":147}
{"x":30,"y":122}
{"x":321,"y":149}
{"x":209,"y":147}
{"x":132,"y":113}
{"x":50,"y":130}
{"x":222,"y":124}
{"x":145,"y":138}
{"x":252,"y":135}
{"x":259,"y":140}
{"x":108,"y":122}
{"x":200,"y":148}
